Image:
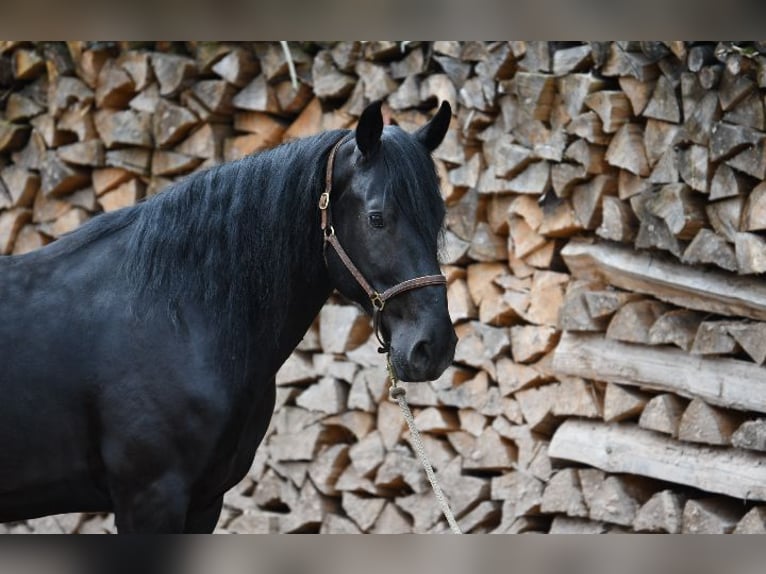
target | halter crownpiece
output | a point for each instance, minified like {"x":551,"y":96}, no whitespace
{"x":377,"y":299}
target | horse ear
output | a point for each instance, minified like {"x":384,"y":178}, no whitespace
{"x":432,"y":134}
{"x":369,"y":129}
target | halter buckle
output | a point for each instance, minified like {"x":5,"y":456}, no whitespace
{"x":377,"y":301}
{"x":324,"y":201}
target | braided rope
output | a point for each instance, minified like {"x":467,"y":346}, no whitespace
{"x":397,"y":394}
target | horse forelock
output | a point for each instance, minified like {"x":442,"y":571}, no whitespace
{"x":414,"y":185}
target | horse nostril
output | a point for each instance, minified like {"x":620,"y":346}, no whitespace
{"x":421,"y":353}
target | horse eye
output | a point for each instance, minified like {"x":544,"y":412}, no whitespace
{"x":376,"y":220}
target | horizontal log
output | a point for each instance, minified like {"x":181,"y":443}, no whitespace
{"x":626,"y":448}
{"x":663,"y":278}
{"x":722,"y":382}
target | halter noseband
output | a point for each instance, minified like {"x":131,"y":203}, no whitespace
{"x":377,"y":299}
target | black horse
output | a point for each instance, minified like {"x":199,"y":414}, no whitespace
{"x":139,"y":352}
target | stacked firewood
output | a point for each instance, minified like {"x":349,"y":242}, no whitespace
{"x":603,"y":245}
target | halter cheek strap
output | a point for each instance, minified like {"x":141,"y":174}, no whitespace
{"x":377,"y":299}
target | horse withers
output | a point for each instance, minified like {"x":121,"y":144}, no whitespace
{"x":139,"y":351}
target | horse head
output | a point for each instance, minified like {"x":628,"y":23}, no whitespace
{"x":385,"y":224}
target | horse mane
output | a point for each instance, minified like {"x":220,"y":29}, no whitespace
{"x":225,"y":237}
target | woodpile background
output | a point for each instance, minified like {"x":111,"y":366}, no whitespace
{"x":604,"y":247}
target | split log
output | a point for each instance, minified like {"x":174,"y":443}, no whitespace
{"x":546,"y":298}
{"x":612,"y":107}
{"x":709,"y":247}
{"x":31,"y":155}
{"x":618,"y":222}
{"x":468,"y":394}
{"x":627,"y":449}
{"x":588,"y":127}
{"x":568,"y":525}
{"x":590,"y":156}
{"x":663,"y":105}
{"x":138,"y":66}
{"x":618,"y":500}
{"x":563,"y":494}
{"x":722,"y":382}
{"x":537,"y":407}
{"x":703,"y":423}
{"x":574,"y":314}
{"x":171,"y":123}
{"x":28,"y":239}
{"x":663,"y":512}
{"x":521,"y":492}
{"x":754,"y":522}
{"x":364,"y":511}
{"x":626,"y":150}
{"x":623,"y":403}
{"x":603,"y":304}
{"x":88,"y":153}
{"x":710,"y":516}
{"x":237,"y":67}
{"x":58,"y":178}
{"x":680,"y":208}
{"x":725,"y":216}
{"x":512,"y":377}
{"x":325,"y":469}
{"x":19,"y":108}
{"x":490,"y":453}
{"x":678,"y":327}
{"x":750,"y":250}
{"x":708,"y":291}
{"x":22,"y":185}
{"x":754,"y":213}
{"x":713,"y":338}
{"x":327,"y":396}
{"x":729,"y":139}
{"x":530,"y":342}
{"x":124,"y":195}
{"x":27,"y":64}
{"x":11,"y":222}
{"x":572,"y":59}
{"x":168,"y":163}
{"x":750,"y":435}
{"x":575,"y":397}
{"x":127,"y":128}
{"x":115,"y":88}
{"x":535,"y":91}
{"x":172,"y":72}
{"x":108,"y":178}
{"x":637,"y":92}
{"x":574,"y":88}
{"x":751,"y":161}
{"x":749,"y":113}
{"x":633,"y":321}
{"x":734,"y":88}
{"x":751,"y":337}
{"x":663,"y":414}
{"x":68,"y":221}
{"x":401,"y":470}
{"x":392,"y":521}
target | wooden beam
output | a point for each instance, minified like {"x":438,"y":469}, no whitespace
{"x":723,"y":382}
{"x":645,"y":272}
{"x":624,"y":448}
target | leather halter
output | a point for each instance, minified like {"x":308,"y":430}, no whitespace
{"x":377,"y":299}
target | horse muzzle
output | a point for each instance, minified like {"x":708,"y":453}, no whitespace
{"x":423,"y":355}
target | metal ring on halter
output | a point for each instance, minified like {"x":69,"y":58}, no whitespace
{"x":377,"y":301}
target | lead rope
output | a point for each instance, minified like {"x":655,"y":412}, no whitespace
{"x":397,"y":393}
